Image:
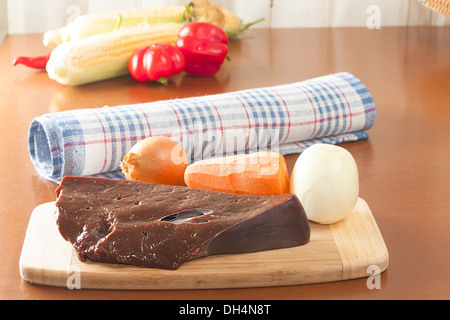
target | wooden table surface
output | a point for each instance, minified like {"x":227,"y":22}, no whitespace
{"x":404,"y":165}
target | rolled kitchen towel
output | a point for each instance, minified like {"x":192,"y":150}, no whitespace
{"x":287,"y":118}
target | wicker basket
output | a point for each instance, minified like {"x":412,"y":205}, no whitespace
{"x":440,"y":6}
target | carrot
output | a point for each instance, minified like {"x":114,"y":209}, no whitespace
{"x":259,"y":173}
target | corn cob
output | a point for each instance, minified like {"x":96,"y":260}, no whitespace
{"x":95,"y":23}
{"x":204,"y":10}
{"x":106,"y":55}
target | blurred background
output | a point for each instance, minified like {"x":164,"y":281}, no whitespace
{"x":31,"y":16}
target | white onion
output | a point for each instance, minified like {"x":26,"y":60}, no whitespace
{"x":325,"y":179}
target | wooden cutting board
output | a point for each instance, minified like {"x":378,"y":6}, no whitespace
{"x":351,"y":248}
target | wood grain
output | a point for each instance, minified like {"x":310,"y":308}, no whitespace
{"x":337,"y":252}
{"x":403,"y":166}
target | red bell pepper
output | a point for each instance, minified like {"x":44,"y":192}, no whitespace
{"x":204,"y":46}
{"x":136,"y":65}
{"x":156,"y":62}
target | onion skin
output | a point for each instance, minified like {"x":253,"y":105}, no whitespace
{"x":157,"y":160}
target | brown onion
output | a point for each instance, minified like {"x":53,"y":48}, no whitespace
{"x":155,"y":159}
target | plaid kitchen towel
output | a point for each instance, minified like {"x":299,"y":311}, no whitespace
{"x":286,"y":118}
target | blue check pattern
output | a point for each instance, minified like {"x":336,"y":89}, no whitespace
{"x":288,"y":118}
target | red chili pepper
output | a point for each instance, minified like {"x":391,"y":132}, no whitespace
{"x":39,"y":62}
{"x":156,"y":62}
{"x":204,"y":46}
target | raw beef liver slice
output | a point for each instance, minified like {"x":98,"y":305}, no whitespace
{"x":160,"y":226}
